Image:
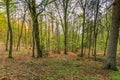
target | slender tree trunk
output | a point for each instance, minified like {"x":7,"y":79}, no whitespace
{"x":95,"y":43}
{"x":41,"y":29}
{"x":73,"y":40}
{"x":18,"y":44}
{"x":45,"y":34}
{"x":25,"y":42}
{"x":65,"y":5}
{"x":82,"y":42}
{"x":52,"y":28}
{"x":106,"y":43}
{"x":90,"y":37}
{"x":108,"y":31}
{"x":95,"y":29}
{"x":66,"y":29}
{"x":37,"y":39}
{"x":7,"y":40}
{"x":58,"y":38}
{"x":110,"y":62}
{"x":34,"y":16}
{"x":49,"y":46}
{"x":33,"y":44}
{"x":10,"y":29}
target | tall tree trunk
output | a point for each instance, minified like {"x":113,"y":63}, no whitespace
{"x":96,"y":29}
{"x":106,"y":43}
{"x":58,"y":37}
{"x":7,"y":40}
{"x":73,"y":40}
{"x":90,"y":42}
{"x":110,"y":62}
{"x":33,"y":44}
{"x":10,"y":29}
{"x":46,"y":34}
{"x":49,"y":45}
{"x":82,"y":42}
{"x":66,"y":29}
{"x":52,"y":25}
{"x":25,"y":40}
{"x":37,"y":39}
{"x":108,"y":31}
{"x":19,"y":39}
{"x":41,"y":28}
{"x":34,"y":16}
{"x":65,"y":5}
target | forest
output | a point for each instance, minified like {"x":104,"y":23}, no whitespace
{"x":59,"y":40}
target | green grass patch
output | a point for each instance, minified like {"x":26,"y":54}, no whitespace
{"x":115,"y":75}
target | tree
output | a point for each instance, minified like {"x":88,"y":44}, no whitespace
{"x":110,"y":62}
{"x":32,"y":8}
{"x":65,"y":6}
{"x":7,"y":40}
{"x":9,"y":28}
{"x":95,"y":29}
{"x":83,"y":4}
{"x":19,"y":39}
{"x":35,"y":10}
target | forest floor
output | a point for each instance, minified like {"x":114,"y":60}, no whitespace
{"x":53,"y":67}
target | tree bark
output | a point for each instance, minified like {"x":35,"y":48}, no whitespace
{"x":110,"y":62}
{"x":90,"y":40}
{"x":20,"y":36}
{"x":7,"y":40}
{"x":96,"y":29}
{"x":65,"y":6}
{"x":37,"y":39}
{"x":33,"y":45}
{"x":82,"y":41}
{"x":34,"y":16}
{"x":10,"y":29}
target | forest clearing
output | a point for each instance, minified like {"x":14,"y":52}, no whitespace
{"x":59,"y":40}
